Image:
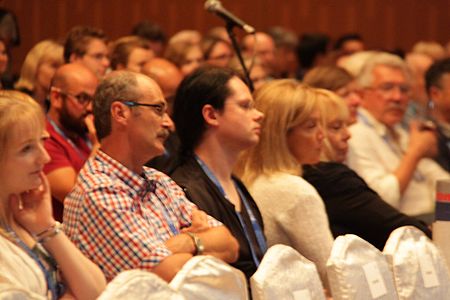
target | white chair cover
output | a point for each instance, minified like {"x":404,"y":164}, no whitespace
{"x":139,"y":285}
{"x":285,"y":274}
{"x":357,"y":270}
{"x":419,"y":270}
{"x":206,"y":277}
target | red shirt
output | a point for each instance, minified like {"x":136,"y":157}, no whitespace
{"x":64,"y":153}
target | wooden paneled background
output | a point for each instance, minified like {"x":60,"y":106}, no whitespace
{"x":383,"y":23}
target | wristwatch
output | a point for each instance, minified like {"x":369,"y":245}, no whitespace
{"x":199,"y":247}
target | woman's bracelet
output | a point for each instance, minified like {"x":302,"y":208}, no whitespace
{"x":49,"y":233}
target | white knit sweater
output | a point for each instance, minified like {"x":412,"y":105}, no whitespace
{"x":294,"y":215}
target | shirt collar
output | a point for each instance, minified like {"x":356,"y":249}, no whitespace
{"x":139,"y":183}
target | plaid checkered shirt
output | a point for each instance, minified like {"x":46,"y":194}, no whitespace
{"x":120,"y":219}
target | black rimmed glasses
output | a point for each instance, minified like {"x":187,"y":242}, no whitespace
{"x":158,"y":108}
{"x":82,"y":98}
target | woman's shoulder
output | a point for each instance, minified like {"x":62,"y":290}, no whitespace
{"x":283,"y":183}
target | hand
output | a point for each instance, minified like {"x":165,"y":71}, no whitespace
{"x":92,"y":133}
{"x":199,"y":222}
{"x":33,"y":209}
{"x":422,"y":142}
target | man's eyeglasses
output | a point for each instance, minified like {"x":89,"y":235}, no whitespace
{"x":159,"y":109}
{"x":82,"y":98}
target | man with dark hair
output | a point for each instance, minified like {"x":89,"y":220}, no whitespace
{"x":87,"y":45}
{"x":215,"y":121}
{"x":286,"y":43}
{"x":349,"y":43}
{"x":70,"y":125}
{"x":154,"y":34}
{"x":311,"y":51}
{"x":437,"y":81}
{"x":130,"y":53}
{"x":123,"y":215}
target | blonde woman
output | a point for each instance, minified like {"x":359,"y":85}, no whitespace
{"x":291,"y":135}
{"x":37,"y":260}
{"x":38,"y":69}
{"x":352,"y":206}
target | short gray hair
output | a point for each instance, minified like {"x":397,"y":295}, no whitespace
{"x":118,"y":85}
{"x":365,"y":77}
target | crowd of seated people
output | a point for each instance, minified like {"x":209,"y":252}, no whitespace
{"x":143,"y":152}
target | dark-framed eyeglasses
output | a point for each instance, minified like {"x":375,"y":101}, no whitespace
{"x":82,"y":98}
{"x":158,"y":108}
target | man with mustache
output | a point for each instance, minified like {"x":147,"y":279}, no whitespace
{"x":123,"y":215}
{"x":70,"y":125}
{"x":394,"y":162}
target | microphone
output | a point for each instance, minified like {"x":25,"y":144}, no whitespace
{"x":216,"y":7}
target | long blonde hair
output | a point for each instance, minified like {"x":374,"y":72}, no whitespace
{"x":18,"y":112}
{"x":46,"y":50}
{"x":332,"y":107}
{"x":285,"y":103}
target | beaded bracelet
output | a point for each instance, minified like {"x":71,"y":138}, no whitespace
{"x":49,"y":233}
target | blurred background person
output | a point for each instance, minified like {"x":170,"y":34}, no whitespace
{"x":312,"y":51}
{"x":431,"y":48}
{"x":154,"y":34}
{"x":286,"y":60}
{"x":87,"y":45}
{"x":186,"y":56}
{"x":216,"y":51}
{"x":130,"y":53}
{"x":349,"y":43}
{"x":337,"y":80}
{"x":3,"y":60}
{"x":260,"y":45}
{"x":258,"y":74}
{"x":418,"y":64}
{"x":38,"y":69}
{"x":437,"y":81}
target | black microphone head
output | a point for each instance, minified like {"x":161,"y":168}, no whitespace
{"x":213,"y":5}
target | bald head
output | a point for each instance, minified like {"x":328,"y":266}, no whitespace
{"x":69,"y":75}
{"x":165,"y":73}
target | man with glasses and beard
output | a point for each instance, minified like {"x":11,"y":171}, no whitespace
{"x":394,"y":162}
{"x":70,"y":125}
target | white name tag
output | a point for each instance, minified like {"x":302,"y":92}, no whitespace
{"x":304,"y":294}
{"x":375,"y":280}
{"x":428,"y":271}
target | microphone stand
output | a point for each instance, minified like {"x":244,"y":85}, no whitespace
{"x":232,"y":36}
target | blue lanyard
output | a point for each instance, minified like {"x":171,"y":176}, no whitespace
{"x":255,"y":224}
{"x":395,"y":148}
{"x":51,"y":284}
{"x":68,"y":140}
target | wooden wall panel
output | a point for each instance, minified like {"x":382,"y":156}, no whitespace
{"x":383,"y":23}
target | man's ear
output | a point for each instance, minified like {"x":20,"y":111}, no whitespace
{"x":56,"y":99}
{"x":210,"y":114}
{"x":120,"y":112}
